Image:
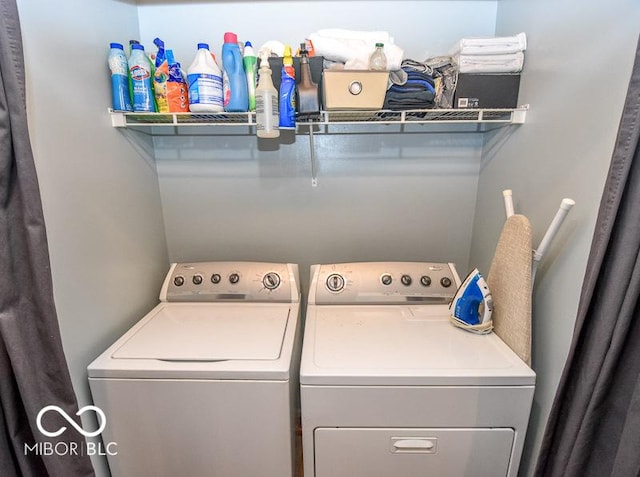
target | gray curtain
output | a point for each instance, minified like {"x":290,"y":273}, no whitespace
{"x":33,"y":370}
{"x":594,"y":425}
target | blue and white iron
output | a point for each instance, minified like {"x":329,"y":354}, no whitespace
{"x":472,"y":305}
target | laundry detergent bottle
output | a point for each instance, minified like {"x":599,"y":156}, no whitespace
{"x":205,"y":83}
{"x":140,"y":73}
{"x":236,"y":95}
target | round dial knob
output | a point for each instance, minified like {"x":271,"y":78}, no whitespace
{"x":234,"y":278}
{"x":271,"y":281}
{"x":386,"y":279}
{"x":335,"y":282}
{"x":178,"y":281}
{"x":445,"y":282}
{"x":197,"y":279}
{"x":425,"y":280}
{"x":406,"y":280}
{"x":215,"y":278}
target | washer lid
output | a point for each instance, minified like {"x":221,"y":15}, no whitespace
{"x":202,"y":332}
{"x":394,"y":344}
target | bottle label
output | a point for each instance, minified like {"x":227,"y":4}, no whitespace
{"x":205,"y":89}
{"x":226,"y":89}
{"x":120,"y":92}
{"x":266,"y":116}
{"x":118,"y":63}
{"x":138,"y":73}
{"x":141,"y":89}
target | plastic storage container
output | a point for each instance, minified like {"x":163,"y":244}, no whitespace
{"x":236,"y":95}
{"x":205,"y":83}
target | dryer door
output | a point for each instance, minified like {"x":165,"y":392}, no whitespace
{"x":381,"y":452}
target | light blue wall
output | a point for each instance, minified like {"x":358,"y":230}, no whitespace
{"x":100,"y":197}
{"x":111,"y":219}
{"x":422,"y":28}
{"x":379,"y":197}
{"x":576,"y":74}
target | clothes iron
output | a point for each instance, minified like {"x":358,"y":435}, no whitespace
{"x":472,"y":305}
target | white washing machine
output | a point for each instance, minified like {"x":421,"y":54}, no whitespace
{"x":390,"y":388}
{"x":206,"y":383}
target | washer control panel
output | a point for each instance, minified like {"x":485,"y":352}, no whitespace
{"x":383,"y":282}
{"x":231,"y":281}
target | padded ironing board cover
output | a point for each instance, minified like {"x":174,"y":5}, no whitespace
{"x":509,"y":281}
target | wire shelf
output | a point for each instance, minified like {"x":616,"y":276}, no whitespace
{"x":326,"y":118}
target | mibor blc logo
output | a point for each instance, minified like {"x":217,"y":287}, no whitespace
{"x":99,"y":412}
{"x":71,"y":448}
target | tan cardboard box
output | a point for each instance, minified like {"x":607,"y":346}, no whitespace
{"x":354,"y":89}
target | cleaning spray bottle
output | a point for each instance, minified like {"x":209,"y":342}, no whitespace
{"x":266,"y":103}
{"x":287,"y":92}
{"x":250,"y":68}
{"x":307,"y":101}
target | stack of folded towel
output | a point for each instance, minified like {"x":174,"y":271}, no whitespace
{"x":417,"y":92}
{"x":491,"y":55}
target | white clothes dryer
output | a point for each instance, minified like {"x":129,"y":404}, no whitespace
{"x":206,"y":383}
{"x":390,"y":388}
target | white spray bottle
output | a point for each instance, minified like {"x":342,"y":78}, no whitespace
{"x":267,"y":116}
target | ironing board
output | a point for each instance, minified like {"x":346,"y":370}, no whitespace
{"x":509,"y":280}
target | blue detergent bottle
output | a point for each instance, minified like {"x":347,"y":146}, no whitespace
{"x":119,"y":78}
{"x":236,"y":94}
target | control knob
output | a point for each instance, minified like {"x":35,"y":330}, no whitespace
{"x":178,"y":280}
{"x":386,"y":279}
{"x":425,"y":280}
{"x":445,"y":282}
{"x":197,"y":279}
{"x":215,"y":278}
{"x":271,"y":281}
{"x":406,"y":280}
{"x":234,"y":278}
{"x":335,"y":282}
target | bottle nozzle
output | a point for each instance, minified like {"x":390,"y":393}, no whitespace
{"x":264,"y":61}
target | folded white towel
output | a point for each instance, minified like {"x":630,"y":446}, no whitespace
{"x":511,"y":63}
{"x":491,"y":45}
{"x":354,"y":47}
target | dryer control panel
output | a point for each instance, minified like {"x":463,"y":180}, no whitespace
{"x":383,"y":283}
{"x":232,"y":281}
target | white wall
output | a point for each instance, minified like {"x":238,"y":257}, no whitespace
{"x":379,"y":197}
{"x":576,"y":75}
{"x":100,"y":197}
